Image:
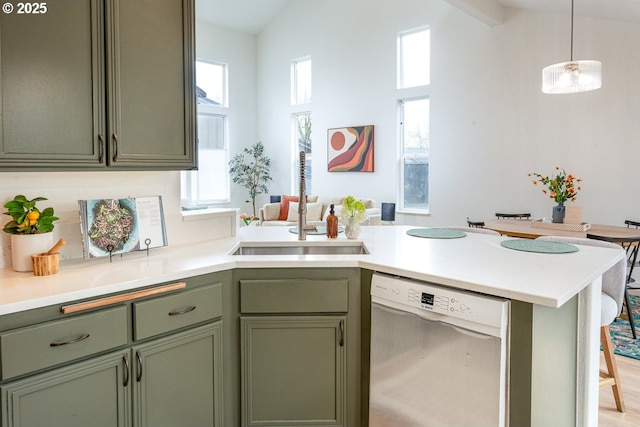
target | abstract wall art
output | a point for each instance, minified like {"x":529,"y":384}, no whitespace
{"x":350,"y":149}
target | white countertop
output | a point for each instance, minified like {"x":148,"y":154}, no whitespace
{"x":476,"y":262}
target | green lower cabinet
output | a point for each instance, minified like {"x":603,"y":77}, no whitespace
{"x":293,"y":370}
{"x":91,"y":393}
{"x":178,"y":380}
{"x":171,"y":381}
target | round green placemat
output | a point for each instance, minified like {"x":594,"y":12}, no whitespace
{"x":539,"y":246}
{"x":436,"y":233}
{"x":321,"y":229}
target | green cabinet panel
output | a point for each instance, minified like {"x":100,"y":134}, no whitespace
{"x":178,"y":380}
{"x":293,"y":370}
{"x":150,"y":63}
{"x":85,"y":394}
{"x":47,"y":344}
{"x":52,"y":86}
{"x":95,"y":84}
{"x":171,"y":312}
{"x":294,"y":296}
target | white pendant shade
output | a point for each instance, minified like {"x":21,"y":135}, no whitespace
{"x":572,"y":77}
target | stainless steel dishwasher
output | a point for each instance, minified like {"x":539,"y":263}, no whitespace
{"x":439,"y":356}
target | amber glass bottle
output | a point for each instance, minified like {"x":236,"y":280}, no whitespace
{"x":332,"y":224}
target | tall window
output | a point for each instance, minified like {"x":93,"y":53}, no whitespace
{"x":413,"y":96}
{"x":301,"y":121}
{"x":414,"y":124}
{"x":210,"y":183}
{"x":414,"y":68}
{"x":301,"y":81}
{"x":302,"y":136}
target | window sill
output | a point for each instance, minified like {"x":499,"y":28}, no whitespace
{"x":413,"y":212}
{"x":201,"y":214}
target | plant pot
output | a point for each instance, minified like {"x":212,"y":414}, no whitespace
{"x":352,"y":229}
{"x":25,"y":245}
{"x":558,"y":214}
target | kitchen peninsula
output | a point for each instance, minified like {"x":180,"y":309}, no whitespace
{"x":554,"y":312}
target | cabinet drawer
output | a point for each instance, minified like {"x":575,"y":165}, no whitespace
{"x":35,"y":347}
{"x":172,"y":312}
{"x":294,"y":296}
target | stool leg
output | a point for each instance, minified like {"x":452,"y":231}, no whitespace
{"x":612,"y":367}
{"x":629,"y":313}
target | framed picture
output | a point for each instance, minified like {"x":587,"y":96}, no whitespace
{"x":350,"y":149}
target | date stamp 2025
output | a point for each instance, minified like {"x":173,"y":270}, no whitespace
{"x":39,"y":8}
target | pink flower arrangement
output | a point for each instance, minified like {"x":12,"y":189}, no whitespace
{"x":248,"y":219}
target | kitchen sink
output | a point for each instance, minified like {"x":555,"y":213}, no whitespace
{"x":281,"y":249}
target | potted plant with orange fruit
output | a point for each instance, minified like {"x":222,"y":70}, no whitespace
{"x":30,"y":229}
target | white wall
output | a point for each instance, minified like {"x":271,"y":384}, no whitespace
{"x":490,"y":123}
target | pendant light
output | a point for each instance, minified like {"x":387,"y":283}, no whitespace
{"x":572,"y":76}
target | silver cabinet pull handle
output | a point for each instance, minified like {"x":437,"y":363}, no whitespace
{"x":73,"y":341}
{"x":183,"y":311}
{"x":139,"y":359}
{"x":342,"y":333}
{"x":125,"y":359}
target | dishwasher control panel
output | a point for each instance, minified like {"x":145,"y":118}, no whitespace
{"x":423,"y":296}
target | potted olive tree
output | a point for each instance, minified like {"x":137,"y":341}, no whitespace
{"x":253,"y":173}
{"x":30,"y":229}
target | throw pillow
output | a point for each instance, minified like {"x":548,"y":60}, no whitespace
{"x":284,"y":206}
{"x":314,"y":211}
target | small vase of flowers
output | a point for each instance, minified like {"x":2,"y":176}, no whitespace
{"x":247,"y":219}
{"x":561,"y":188}
{"x":353,"y":213}
{"x":30,"y":229}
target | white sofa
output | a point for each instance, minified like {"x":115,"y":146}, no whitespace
{"x":317,"y":211}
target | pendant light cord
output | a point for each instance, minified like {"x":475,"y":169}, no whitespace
{"x":571,"y":56}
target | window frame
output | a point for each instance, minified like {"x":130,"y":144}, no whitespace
{"x":403,"y":156}
{"x":404,"y":95}
{"x":189,"y":180}
{"x":401,"y":76}
{"x":295,"y":78}
{"x":299,"y":109}
{"x":295,"y":155}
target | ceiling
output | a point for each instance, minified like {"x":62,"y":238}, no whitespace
{"x":616,"y":10}
{"x":251,"y":16}
{"x":248,"y":16}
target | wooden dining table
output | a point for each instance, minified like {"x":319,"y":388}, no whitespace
{"x":526,"y":229}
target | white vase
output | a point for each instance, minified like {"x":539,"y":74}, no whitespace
{"x":25,"y":245}
{"x":352,"y":229}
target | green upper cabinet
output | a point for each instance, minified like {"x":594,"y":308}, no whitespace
{"x":150,"y":63}
{"x":93,"y":84}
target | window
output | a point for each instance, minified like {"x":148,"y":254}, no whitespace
{"x":414,"y":123}
{"x":414,"y":58}
{"x":302,"y":136}
{"x":301,"y":81}
{"x":301,"y":121}
{"x":413,"y":96}
{"x":210,"y":184}
{"x":211,"y":83}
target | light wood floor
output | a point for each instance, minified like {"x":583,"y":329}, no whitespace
{"x":629,"y":370}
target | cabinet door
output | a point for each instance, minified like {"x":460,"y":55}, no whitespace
{"x":150,"y":58}
{"x":91,"y":393}
{"x":178,"y":379}
{"x":52,"y":85}
{"x":293,"y":370}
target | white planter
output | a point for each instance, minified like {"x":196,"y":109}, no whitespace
{"x":25,"y":245}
